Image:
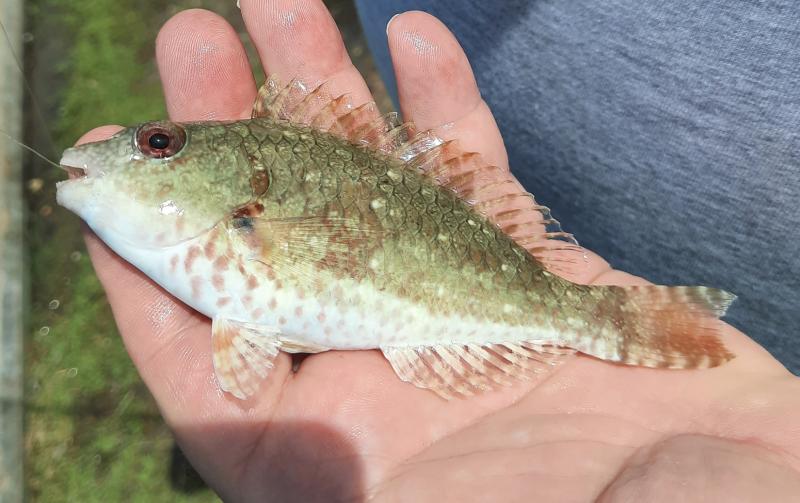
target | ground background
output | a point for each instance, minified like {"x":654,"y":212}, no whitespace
{"x":93,"y":432}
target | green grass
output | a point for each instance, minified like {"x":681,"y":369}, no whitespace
{"x":93,"y":432}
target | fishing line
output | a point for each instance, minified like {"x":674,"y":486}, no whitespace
{"x":30,"y":149}
{"x":34,"y":102}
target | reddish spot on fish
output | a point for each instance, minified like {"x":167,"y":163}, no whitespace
{"x":321,"y":317}
{"x":197,"y":287}
{"x":257,"y":313}
{"x":270,"y":274}
{"x":173,"y":263}
{"x":298,"y":311}
{"x":210,"y":249}
{"x":278,"y":285}
{"x":252,"y":282}
{"x":223,"y":301}
{"x":301,"y":294}
{"x":221,"y":263}
{"x":247,"y":300}
{"x":241,"y":267}
{"x":282,"y":321}
{"x":272,"y":303}
{"x":219,"y":282}
{"x":191,"y":256}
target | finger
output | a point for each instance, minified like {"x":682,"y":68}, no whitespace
{"x":436,"y":86}
{"x":299,"y":39}
{"x":204,"y":68}
{"x":170,"y":344}
{"x":168,"y":341}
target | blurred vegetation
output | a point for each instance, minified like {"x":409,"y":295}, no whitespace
{"x":93,"y":432}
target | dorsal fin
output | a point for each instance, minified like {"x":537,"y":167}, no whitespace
{"x":492,"y":191}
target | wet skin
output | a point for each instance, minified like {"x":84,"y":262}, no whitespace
{"x":345,"y":428}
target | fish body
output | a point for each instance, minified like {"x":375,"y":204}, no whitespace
{"x":308,"y":228}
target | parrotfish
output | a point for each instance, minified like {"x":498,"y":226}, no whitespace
{"x":316,"y":225}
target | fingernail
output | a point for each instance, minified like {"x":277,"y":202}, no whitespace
{"x":389,"y":24}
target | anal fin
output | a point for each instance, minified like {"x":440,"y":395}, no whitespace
{"x":244,"y":354}
{"x":455,"y":370}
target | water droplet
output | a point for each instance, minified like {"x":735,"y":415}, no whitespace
{"x":27,"y":37}
{"x":72,"y":372}
{"x":53,"y":305}
{"x":44,"y":330}
{"x":35,"y":184}
{"x":75,"y":256}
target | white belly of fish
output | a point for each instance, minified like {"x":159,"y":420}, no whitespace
{"x":345,"y":314}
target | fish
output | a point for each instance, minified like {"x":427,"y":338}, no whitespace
{"x":318,"y":225}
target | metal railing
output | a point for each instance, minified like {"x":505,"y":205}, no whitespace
{"x":11,"y":257}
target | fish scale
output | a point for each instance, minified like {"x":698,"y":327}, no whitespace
{"x":316,"y":226}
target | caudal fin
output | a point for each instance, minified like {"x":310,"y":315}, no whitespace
{"x":660,"y":326}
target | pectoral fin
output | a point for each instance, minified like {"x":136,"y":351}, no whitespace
{"x":244,"y":354}
{"x":296,"y":245}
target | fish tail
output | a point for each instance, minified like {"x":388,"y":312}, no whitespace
{"x":660,"y":326}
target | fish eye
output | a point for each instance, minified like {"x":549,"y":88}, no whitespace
{"x":160,"y":140}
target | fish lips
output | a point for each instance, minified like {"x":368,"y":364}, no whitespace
{"x":76,"y":193}
{"x":73,"y":162}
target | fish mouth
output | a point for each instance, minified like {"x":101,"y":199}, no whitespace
{"x":74,"y":172}
{"x":74,"y":163}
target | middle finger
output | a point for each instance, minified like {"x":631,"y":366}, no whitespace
{"x":298,"y":39}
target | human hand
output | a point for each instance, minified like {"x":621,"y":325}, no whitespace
{"x":344,"y":427}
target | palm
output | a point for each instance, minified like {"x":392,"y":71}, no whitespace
{"x":344,"y":425}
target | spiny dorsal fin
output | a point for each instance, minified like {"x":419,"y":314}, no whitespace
{"x":495,"y":194}
{"x":243,"y":355}
{"x":492,"y":191}
{"x":316,"y":107}
{"x":466,"y":369}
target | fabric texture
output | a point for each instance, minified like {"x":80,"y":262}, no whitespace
{"x":664,"y":134}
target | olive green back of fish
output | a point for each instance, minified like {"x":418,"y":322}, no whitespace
{"x":412,"y":238}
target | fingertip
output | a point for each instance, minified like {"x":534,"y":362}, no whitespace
{"x":437,"y":88}
{"x":416,"y":33}
{"x":99,"y":134}
{"x":435,"y":80}
{"x":295,"y":38}
{"x":204,"y":68}
{"x":185,"y":31}
{"x":391,"y":20}
{"x":299,"y":39}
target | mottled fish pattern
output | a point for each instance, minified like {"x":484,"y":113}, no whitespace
{"x":317,"y":225}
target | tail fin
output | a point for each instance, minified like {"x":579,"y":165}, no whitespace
{"x":660,"y":326}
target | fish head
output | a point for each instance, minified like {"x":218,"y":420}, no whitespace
{"x":157,"y":184}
